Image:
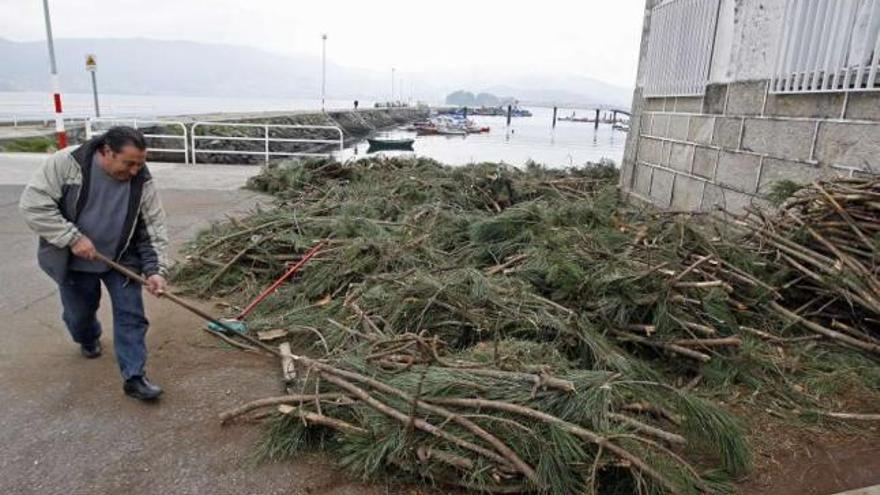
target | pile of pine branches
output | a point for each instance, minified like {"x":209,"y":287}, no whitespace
{"x":510,"y":330}
{"x":828,"y":235}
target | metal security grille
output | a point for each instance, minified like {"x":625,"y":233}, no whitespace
{"x":680,"y":47}
{"x":828,"y":45}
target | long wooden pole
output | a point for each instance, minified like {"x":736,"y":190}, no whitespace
{"x":184,"y":304}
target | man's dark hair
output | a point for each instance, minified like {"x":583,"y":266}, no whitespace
{"x":119,"y":136}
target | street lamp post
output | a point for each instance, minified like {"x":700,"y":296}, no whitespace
{"x":323,"y":69}
{"x":392,"y":84}
{"x":56,"y":87}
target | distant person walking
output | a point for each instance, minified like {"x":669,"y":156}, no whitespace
{"x":355,"y":104}
{"x":100,"y":197}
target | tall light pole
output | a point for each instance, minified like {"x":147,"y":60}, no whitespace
{"x":392,"y":83}
{"x":56,"y":87}
{"x":323,"y":69}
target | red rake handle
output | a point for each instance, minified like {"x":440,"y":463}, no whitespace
{"x":272,"y":288}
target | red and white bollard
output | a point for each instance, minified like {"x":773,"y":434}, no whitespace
{"x":59,"y":113}
{"x":56,"y":87}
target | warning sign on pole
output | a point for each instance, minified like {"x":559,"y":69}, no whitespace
{"x":92,"y":68}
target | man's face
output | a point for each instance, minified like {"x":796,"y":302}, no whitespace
{"x":125,"y":164}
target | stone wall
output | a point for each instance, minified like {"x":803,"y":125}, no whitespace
{"x":728,"y":147}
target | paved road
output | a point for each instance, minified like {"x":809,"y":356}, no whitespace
{"x":66,"y":427}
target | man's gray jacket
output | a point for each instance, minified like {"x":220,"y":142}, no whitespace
{"x":57,"y":193}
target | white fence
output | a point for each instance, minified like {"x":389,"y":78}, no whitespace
{"x":192,"y":143}
{"x":266,"y":139}
{"x":680,"y":45}
{"x":99,"y":126}
{"x":828,"y":45}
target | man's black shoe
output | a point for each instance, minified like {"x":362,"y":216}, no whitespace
{"x":141,"y":388}
{"x":91,"y":351}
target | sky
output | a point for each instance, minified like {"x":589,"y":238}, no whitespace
{"x":591,"y":38}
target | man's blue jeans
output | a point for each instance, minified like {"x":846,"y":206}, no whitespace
{"x":81,"y":295}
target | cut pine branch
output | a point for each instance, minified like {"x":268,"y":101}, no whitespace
{"x":827,"y":332}
{"x":576,"y":430}
{"x":676,"y":349}
{"x":275,"y":401}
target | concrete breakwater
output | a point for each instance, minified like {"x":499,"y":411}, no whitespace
{"x":354,"y":124}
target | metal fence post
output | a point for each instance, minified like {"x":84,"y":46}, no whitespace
{"x":185,"y":144}
{"x":192,"y":145}
{"x":267,"y":142}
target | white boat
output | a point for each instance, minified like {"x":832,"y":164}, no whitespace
{"x":451,"y":131}
{"x":450,"y":126}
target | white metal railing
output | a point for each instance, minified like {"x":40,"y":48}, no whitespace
{"x":828,"y":45}
{"x":183,"y":137}
{"x":680,"y":45}
{"x":267,"y":140}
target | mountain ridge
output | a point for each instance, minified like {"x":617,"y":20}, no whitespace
{"x":192,"y":68}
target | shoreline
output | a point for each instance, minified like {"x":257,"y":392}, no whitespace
{"x":355,"y":125}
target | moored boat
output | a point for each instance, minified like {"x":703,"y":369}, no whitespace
{"x":388,"y":143}
{"x":451,"y":131}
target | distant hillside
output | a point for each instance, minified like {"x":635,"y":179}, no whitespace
{"x":154,"y":67}
{"x":463,"y":98}
{"x":547,"y":90}
{"x":594,"y":93}
{"x":142,"y":66}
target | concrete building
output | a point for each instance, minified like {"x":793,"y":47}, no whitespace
{"x":734,"y":95}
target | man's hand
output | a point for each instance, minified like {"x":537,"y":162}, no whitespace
{"x":156,"y":285}
{"x":83,"y":248}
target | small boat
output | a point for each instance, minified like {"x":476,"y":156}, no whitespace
{"x":425,"y":128}
{"x":388,"y":143}
{"x":477,"y":129}
{"x":451,"y":131}
{"x":473,"y":128}
{"x":450,"y":126}
{"x":415,"y":126}
{"x":575,"y":119}
{"x":427,"y":131}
